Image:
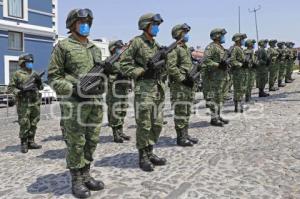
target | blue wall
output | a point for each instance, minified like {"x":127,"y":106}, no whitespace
{"x":41,"y":5}
{"x":39,"y":20}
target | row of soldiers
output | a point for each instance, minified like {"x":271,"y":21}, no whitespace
{"x":82,"y":111}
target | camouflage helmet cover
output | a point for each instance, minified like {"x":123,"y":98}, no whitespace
{"x":76,"y":14}
{"x":149,"y":18}
{"x":217,"y":33}
{"x":25,"y":58}
{"x":273,"y":42}
{"x":115,"y":44}
{"x":179,"y":29}
{"x":263,"y":42}
{"x":250,"y":42}
{"x":280,"y":43}
{"x":239,"y":37}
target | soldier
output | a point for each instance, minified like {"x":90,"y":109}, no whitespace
{"x":262,"y":70}
{"x":273,"y":68}
{"x":149,"y":89}
{"x":28,"y":101}
{"x":249,"y":52}
{"x":82,"y":112}
{"x":182,"y":90}
{"x":291,"y":58}
{"x":215,"y":76}
{"x":239,"y":70}
{"x":281,"y":63}
{"x":117,"y":96}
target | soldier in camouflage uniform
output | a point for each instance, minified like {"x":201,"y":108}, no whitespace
{"x":291,"y":57}
{"x":273,"y":68}
{"x":82,"y":112}
{"x":215,"y":76}
{"x":281,"y":63}
{"x":251,"y":62}
{"x":239,"y":70}
{"x":182,"y":89}
{"x":262,"y":70}
{"x":28,"y":101}
{"x":117,"y":96}
{"x":149,"y":89}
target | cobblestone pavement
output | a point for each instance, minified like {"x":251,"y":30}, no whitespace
{"x":256,"y":156}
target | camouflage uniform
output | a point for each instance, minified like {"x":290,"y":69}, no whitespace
{"x":274,"y":69}
{"x":291,"y":58}
{"x":239,"y":71}
{"x":281,"y":63}
{"x":215,"y":78}
{"x":249,"y":52}
{"x":262,"y":70}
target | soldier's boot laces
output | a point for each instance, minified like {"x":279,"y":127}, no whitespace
{"x":32,"y":144}
{"x":79,"y":190}
{"x":123,"y":135}
{"x":117,"y":137}
{"x":89,"y":181}
{"x":190,"y":138}
{"x":154,"y":159}
{"x":144,"y":162}
{"x":24,"y":145}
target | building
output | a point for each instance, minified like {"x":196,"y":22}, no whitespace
{"x":26,"y":26}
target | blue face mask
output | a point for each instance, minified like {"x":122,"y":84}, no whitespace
{"x":154,"y":30}
{"x":29,"y":65}
{"x":222,"y":40}
{"x":84,"y":29}
{"x":243,"y":42}
{"x":186,"y":38}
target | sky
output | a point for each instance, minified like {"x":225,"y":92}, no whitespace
{"x":118,"y":19}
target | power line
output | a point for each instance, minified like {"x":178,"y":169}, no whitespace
{"x":255,"y":14}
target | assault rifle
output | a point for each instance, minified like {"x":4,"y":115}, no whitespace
{"x":31,"y":83}
{"x":225,"y":61}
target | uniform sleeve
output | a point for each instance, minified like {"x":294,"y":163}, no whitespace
{"x":56,"y":75}
{"x":262,"y":57}
{"x":127,"y":63}
{"x":234,"y":58}
{"x":12,"y":87}
{"x":208,"y":60}
{"x":172,"y":68}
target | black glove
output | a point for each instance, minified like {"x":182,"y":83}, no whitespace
{"x":188,"y":82}
{"x":163,"y":52}
{"x":246,"y":64}
{"x":108,"y":67}
{"x":224,"y":65}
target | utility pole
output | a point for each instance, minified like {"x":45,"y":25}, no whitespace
{"x":255,"y":11}
{"x":239,"y":19}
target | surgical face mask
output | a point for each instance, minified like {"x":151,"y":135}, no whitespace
{"x":29,"y":65}
{"x":154,"y":30}
{"x":223,"y":39}
{"x":84,"y":29}
{"x":186,"y":38}
{"x":243,"y":42}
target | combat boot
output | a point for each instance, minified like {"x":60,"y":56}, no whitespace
{"x":79,"y":190}
{"x":190,"y":138}
{"x":236,"y":106}
{"x":144,"y":162}
{"x":32,"y":144}
{"x":272,"y":89}
{"x":241,"y":107}
{"x":216,"y":122}
{"x":280,"y":83}
{"x":262,"y":93}
{"x":117,"y":137}
{"x":122,"y":134}
{"x":154,"y":159}
{"x":223,"y":120}
{"x":248,"y":98}
{"x":89,"y":181}
{"x":182,"y":140}
{"x":24,"y":145}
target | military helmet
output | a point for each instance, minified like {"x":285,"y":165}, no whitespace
{"x":239,"y":37}
{"x":25,"y":58}
{"x":149,"y":18}
{"x":179,"y":29}
{"x":217,"y":33}
{"x":273,"y":42}
{"x":280,"y":43}
{"x":115,"y":44}
{"x":76,"y":14}
{"x":250,"y":42}
{"x":263,"y":42}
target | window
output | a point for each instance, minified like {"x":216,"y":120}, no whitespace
{"x":15,"y":8}
{"x":15,"y":41}
{"x":13,"y":67}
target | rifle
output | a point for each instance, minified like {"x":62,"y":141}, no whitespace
{"x":31,"y":83}
{"x":225,"y":61}
{"x":92,"y":79}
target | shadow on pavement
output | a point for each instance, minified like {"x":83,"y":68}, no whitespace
{"x":53,"y":154}
{"x":13,"y":149}
{"x":55,"y":184}
{"x":53,"y":138}
{"x":166,"y":142}
{"x":106,"y":139}
{"x":123,"y":160}
{"x":201,"y":124}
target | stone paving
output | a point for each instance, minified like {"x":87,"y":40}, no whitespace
{"x":256,"y":156}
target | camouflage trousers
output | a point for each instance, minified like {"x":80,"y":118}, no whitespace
{"x":262,"y":75}
{"x":82,"y":123}
{"x":148,"y":104}
{"x":182,"y":98}
{"x":274,"y":72}
{"x":282,"y":71}
{"x":28,"y":118}
{"x":250,"y":81}
{"x":117,"y":104}
{"x":239,"y":83}
{"x":289,"y":70}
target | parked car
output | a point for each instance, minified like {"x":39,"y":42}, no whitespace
{"x":48,"y":94}
{"x":5,"y":97}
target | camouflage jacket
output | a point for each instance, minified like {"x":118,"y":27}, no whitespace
{"x":179,"y":63}
{"x":292,"y":54}
{"x":16,"y":82}
{"x":281,"y":55}
{"x":262,"y":57}
{"x":237,"y":57}
{"x":272,"y":54}
{"x":69,"y":61}
{"x":213,"y":55}
{"x":252,"y":60}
